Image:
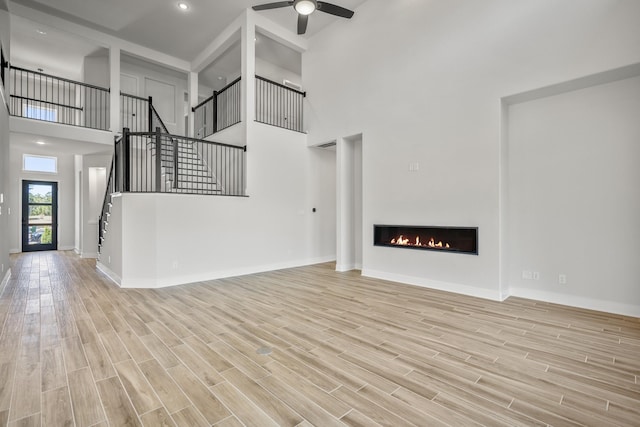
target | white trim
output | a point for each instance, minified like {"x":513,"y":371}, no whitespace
{"x":5,"y":280}
{"x":345,"y":267}
{"x":89,"y":255}
{"x":109,"y":273}
{"x":39,"y":156}
{"x":490,"y":294}
{"x":577,"y":301}
{"x":201,"y":277}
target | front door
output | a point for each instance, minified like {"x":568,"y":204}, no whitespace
{"x":39,"y":216}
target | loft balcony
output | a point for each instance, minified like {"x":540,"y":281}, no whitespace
{"x":48,"y":98}
{"x":39,"y":96}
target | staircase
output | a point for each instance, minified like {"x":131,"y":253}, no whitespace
{"x":193,"y":174}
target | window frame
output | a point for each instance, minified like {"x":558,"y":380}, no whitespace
{"x":25,"y":156}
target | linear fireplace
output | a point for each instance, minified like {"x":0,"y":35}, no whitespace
{"x":445,"y":239}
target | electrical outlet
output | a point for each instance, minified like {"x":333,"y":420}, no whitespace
{"x":175,"y":265}
{"x":109,"y":259}
{"x":562,"y":279}
{"x":527,"y":275}
{"x":536,"y":275}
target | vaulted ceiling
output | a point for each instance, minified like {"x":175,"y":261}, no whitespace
{"x":161,"y":25}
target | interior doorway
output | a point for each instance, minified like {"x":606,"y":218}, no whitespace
{"x":39,"y":216}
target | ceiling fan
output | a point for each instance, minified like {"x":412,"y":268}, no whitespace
{"x":306,"y":8}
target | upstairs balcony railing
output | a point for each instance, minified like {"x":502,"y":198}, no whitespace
{"x":219,"y":111}
{"x":134,"y":112}
{"x":139,"y":115}
{"x":279,"y":105}
{"x":40,"y":96}
{"x":276,"y":105}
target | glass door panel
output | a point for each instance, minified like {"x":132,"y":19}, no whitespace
{"x":39,"y":216}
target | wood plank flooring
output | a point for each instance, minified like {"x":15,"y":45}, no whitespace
{"x":345,"y":350}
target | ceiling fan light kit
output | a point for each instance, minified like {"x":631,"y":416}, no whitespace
{"x":304,"y":8}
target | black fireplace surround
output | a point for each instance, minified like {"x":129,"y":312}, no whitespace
{"x":430,"y":238}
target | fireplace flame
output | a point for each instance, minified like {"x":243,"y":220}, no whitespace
{"x":402,"y":241}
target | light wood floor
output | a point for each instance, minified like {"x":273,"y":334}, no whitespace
{"x":77,"y":350}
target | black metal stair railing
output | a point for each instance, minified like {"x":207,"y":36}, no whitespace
{"x":40,"y":96}
{"x":279,"y":105}
{"x":103,"y":221}
{"x":184,"y":165}
{"x":220,"y":111}
{"x":134,"y":112}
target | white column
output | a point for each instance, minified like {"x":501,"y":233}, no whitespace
{"x":248,"y":87}
{"x":248,"y":53}
{"x":344,"y":206}
{"x":114,"y":85}
{"x":193,"y":101}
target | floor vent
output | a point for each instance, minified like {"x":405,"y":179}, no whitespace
{"x":327,"y":145}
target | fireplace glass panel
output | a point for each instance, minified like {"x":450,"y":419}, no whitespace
{"x":445,"y":239}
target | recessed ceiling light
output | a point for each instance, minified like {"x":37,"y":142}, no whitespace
{"x":41,"y":32}
{"x":183,"y":6}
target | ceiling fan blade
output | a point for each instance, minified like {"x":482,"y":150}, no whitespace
{"x":332,"y":9}
{"x":302,"y":23}
{"x":274,"y":5}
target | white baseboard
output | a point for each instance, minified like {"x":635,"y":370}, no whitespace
{"x":60,"y":248}
{"x":91,"y":255}
{"x":163,"y":282}
{"x":109,"y":273}
{"x":457,"y":288}
{"x":5,"y":280}
{"x":341,"y":268}
{"x":577,"y":301}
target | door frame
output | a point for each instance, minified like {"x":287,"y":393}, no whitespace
{"x":26,"y":247}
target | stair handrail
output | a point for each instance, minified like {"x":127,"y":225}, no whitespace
{"x":213,"y":99}
{"x":111,"y":188}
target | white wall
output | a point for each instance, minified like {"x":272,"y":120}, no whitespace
{"x":77,"y":170}
{"x":172,"y":239}
{"x":111,"y":254}
{"x":96,"y":69}
{"x":160,"y":82}
{"x":166,"y":86}
{"x":66,"y":192}
{"x":95,"y":169}
{"x":573,"y":197}
{"x":4,"y":152}
{"x":322,"y":196}
{"x":428,"y":90}
{"x":273,"y":72}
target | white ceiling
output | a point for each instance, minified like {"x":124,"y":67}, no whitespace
{"x":29,"y":144}
{"x":56,"y":52}
{"x":160,"y":25}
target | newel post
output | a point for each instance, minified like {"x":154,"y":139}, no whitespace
{"x":158,"y":143}
{"x":126,"y":160}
